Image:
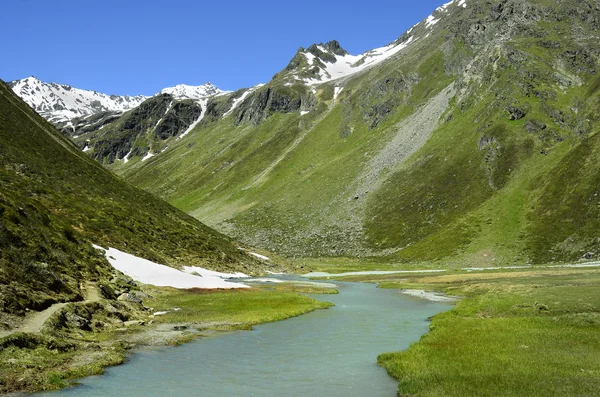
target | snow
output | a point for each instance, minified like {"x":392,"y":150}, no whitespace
{"x":259,"y":256}
{"x":148,"y":272}
{"x":126,"y":158}
{"x":241,"y":99}
{"x":203,"y":104}
{"x":304,"y":112}
{"x":211,"y":273}
{"x":346,"y":65}
{"x":75,"y":102}
{"x":86,"y":148}
{"x":183,"y":91}
{"x":336,"y":92}
{"x":431,"y":296}
{"x":149,"y":155}
{"x":430,"y":21}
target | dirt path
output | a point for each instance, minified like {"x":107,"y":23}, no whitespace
{"x":91,"y":292}
{"x":35,"y":321}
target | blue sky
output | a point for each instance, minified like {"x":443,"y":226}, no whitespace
{"x":139,"y":47}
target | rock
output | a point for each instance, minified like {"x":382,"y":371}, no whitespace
{"x":588,"y":255}
{"x":533,"y":126}
{"x":180,"y":327}
{"x":133,"y":323}
{"x":515,"y":113}
{"x":127,"y":297}
{"x":74,"y":321}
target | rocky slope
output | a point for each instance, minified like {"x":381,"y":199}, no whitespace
{"x":117,"y":127}
{"x":55,"y":202}
{"x":467,"y":140}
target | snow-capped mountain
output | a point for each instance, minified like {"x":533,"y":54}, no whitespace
{"x":61,"y":103}
{"x":323,"y":63}
{"x":182,"y":91}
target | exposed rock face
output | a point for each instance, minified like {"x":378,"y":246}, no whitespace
{"x":260,"y":105}
{"x":157,"y":119}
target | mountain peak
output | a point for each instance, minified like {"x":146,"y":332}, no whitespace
{"x":192,"y":92}
{"x":60,"y":102}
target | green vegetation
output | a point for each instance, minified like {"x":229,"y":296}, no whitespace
{"x":490,"y":185}
{"x":239,"y":309}
{"x":513,"y":333}
{"x":55,"y":202}
{"x":30,"y":362}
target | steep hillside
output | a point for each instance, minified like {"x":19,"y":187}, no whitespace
{"x":55,"y":202}
{"x":468,"y":139}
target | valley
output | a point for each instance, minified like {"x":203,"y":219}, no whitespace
{"x":439,"y":195}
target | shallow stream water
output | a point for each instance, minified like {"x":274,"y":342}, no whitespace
{"x":330,"y":352}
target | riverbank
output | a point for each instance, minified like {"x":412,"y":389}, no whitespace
{"x":53,"y":358}
{"x":514,"y":332}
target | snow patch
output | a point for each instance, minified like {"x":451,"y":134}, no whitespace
{"x":259,"y":256}
{"x":203,"y":103}
{"x":147,"y":156}
{"x":304,"y":112}
{"x":337,"y":91}
{"x":431,"y":296}
{"x":346,"y":65}
{"x":211,"y":273}
{"x":86,"y":148}
{"x":148,"y":272}
{"x":238,"y":101}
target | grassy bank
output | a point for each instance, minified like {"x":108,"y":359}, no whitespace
{"x":52,"y":359}
{"x":514,"y":333}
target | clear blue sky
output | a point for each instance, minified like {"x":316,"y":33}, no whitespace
{"x":139,"y":47}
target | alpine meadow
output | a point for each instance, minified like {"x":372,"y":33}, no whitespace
{"x":456,"y":168}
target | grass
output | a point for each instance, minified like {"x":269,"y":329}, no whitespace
{"x":456,"y":200}
{"x":31,"y":363}
{"x":236,"y":309}
{"x":55,"y":202}
{"x":513,"y":333}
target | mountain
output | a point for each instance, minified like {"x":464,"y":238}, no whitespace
{"x":183,"y":91}
{"x":469,"y":140}
{"x":148,"y":121}
{"x":56,"y":202}
{"x":60,"y":103}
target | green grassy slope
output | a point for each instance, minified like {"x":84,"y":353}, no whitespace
{"x":55,"y":201}
{"x":492,"y":184}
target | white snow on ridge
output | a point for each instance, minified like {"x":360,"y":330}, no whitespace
{"x":60,"y":102}
{"x":147,"y":156}
{"x":238,"y":101}
{"x":183,"y":91}
{"x":259,"y":256}
{"x":346,"y":65}
{"x":148,"y":272}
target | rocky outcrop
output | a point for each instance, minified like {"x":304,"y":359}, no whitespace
{"x":264,"y":102}
{"x":154,"y":121}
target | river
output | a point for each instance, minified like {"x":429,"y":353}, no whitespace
{"x":328,"y":352}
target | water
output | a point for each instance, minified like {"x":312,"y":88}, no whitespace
{"x":329,"y":352}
